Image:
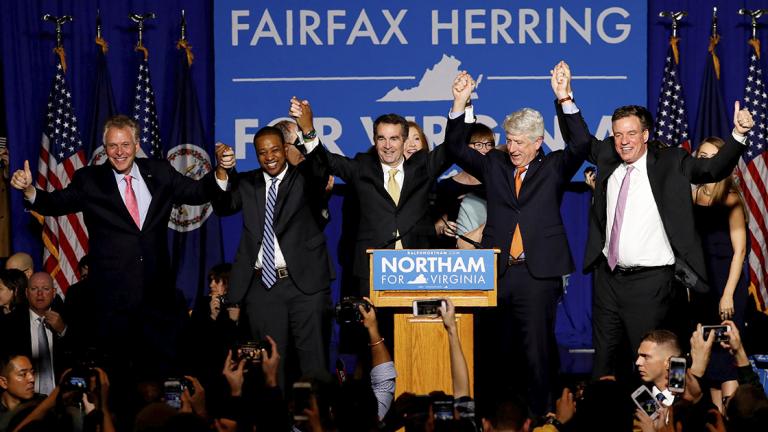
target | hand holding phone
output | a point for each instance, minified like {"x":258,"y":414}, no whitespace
{"x":676,"y":374}
{"x":644,"y":400}
{"x":430,"y":307}
{"x":302,"y":395}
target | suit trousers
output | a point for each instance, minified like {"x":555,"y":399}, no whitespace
{"x":522,"y":323}
{"x":287,"y":314}
{"x":625,"y":306}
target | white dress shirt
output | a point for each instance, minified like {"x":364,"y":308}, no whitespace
{"x":279,"y":258}
{"x":669,"y":398}
{"x":34,"y":329}
{"x":399,"y":177}
{"x":643,"y":241}
{"x":140,"y":189}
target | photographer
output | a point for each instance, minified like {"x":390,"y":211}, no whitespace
{"x":747,"y":409}
{"x":74,"y":407}
{"x":264,"y":407}
{"x":213,"y":328}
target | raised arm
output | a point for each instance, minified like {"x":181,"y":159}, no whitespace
{"x":575,"y":152}
{"x":457,"y":131}
{"x":716,"y":168}
{"x":56,"y":203}
{"x":459,"y":371}
{"x":317,"y":155}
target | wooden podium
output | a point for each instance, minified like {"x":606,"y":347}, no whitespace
{"x":421,"y":352}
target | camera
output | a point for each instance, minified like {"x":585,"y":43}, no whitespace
{"x":347,"y":310}
{"x":720,"y":332}
{"x":251,"y":351}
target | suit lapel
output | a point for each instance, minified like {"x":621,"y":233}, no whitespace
{"x":533,"y":167}
{"x":283,"y":192}
{"x":654,"y":177}
{"x":107,"y":180}
{"x":149,"y":180}
{"x":260,"y":190}
{"x":378,"y":173}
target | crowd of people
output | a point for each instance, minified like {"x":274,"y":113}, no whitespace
{"x":122,"y":352}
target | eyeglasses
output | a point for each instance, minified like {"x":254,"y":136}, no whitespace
{"x":480,"y":145}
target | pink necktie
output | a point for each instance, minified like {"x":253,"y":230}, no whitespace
{"x":130,"y":201}
{"x":618,"y":218}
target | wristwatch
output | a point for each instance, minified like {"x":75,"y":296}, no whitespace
{"x":554,"y":422}
{"x":308,"y":136}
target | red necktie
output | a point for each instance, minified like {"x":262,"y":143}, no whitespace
{"x":130,"y":201}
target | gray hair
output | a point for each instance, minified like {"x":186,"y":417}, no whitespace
{"x":287,"y":128}
{"x":526,"y":121}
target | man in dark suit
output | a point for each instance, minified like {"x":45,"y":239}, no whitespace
{"x":525,"y":189}
{"x":282,"y":271}
{"x":38,"y":332}
{"x":392,"y":192}
{"x":641,"y":230}
{"x":125,"y":205}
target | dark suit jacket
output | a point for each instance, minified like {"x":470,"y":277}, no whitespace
{"x":671,"y":172}
{"x":128,"y":266}
{"x":380,"y":218}
{"x":17,"y":339}
{"x":536,"y":210}
{"x":300,"y":198}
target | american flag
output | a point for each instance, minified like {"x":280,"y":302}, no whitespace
{"x":61,"y":154}
{"x":753,"y":176}
{"x":671,"y":123}
{"x":145,"y":114}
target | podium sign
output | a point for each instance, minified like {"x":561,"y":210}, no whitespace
{"x":399,"y":276}
{"x":433,"y":269}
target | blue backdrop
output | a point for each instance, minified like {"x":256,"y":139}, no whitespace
{"x":27,"y":61}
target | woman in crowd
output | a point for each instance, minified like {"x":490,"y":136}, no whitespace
{"x":416,"y":141}
{"x":13,"y":285}
{"x":721,"y":222}
{"x":459,"y":188}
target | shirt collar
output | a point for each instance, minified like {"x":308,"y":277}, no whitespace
{"x":279,"y":177}
{"x":33,"y":317}
{"x":134,"y":173}
{"x":386,"y":168}
{"x":640,"y":164}
{"x":669,"y":398}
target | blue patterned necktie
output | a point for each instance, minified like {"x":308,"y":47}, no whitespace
{"x":268,"y":271}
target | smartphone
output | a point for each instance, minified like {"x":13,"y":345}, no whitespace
{"x":172,"y":393}
{"x":676,"y":372}
{"x":302,"y":393}
{"x":442,"y":409}
{"x":719,"y":330}
{"x":645,"y":401}
{"x":429,"y":307}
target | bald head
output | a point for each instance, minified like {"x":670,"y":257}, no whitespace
{"x":20,"y":261}
{"x":40,"y":292}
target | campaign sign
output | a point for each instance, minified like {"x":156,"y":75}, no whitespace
{"x":354,"y":61}
{"x":433,"y":270}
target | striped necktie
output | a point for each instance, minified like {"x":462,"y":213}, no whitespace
{"x":268,"y":270}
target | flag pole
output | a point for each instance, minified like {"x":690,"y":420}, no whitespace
{"x":755,"y":15}
{"x":182,"y":43}
{"x":139,"y":20}
{"x":676,"y":17}
{"x":59,"y":21}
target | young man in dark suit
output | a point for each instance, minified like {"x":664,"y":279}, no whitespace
{"x":525,"y":188}
{"x":282,"y":271}
{"x":126,"y":204}
{"x":641,"y":231}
